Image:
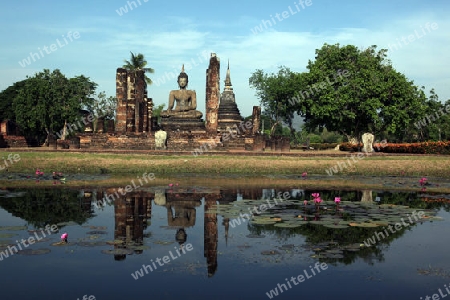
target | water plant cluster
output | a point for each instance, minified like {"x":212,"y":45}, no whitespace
{"x":341,"y":218}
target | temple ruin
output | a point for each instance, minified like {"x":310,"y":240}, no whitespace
{"x":182,"y":126}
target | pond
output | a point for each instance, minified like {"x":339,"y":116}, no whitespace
{"x":202,"y":242}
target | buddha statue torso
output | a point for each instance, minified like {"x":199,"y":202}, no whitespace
{"x":185,"y":101}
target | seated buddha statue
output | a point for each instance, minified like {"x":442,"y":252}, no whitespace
{"x":185,"y":101}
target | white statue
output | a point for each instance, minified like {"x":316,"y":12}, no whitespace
{"x":160,"y":140}
{"x":367,"y":139}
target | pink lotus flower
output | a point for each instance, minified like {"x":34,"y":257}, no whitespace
{"x":317,"y":200}
{"x":315,"y":195}
{"x":423,"y":181}
{"x":305,"y":202}
{"x":337,"y":200}
{"x":171,"y":184}
{"x":304,"y":174}
{"x":64,"y":236}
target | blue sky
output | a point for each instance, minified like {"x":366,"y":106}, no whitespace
{"x":171,"y":33}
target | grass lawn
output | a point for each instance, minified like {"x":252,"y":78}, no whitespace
{"x":275,"y":169}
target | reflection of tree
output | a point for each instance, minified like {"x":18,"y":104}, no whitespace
{"x":47,"y":206}
{"x":319,"y":235}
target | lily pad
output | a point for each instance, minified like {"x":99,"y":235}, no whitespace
{"x":96,"y":227}
{"x":163,"y":242}
{"x":270,"y":252}
{"x":64,"y":224}
{"x":365,"y":225}
{"x":62,"y":243}
{"x":7,"y":235}
{"x":336,"y":226}
{"x":139,"y":248}
{"x":263,"y":222}
{"x":97,"y":232}
{"x":34,"y":251}
{"x":287,"y":225}
{"x":5,"y":243}
{"x":91,"y":244}
{"x":13,"y":228}
{"x":118,"y":252}
{"x":115,"y":242}
{"x":287,"y":247}
{"x":255,"y":236}
{"x":334,"y":256}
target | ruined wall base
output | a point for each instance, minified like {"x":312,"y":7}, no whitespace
{"x":176,"y":141}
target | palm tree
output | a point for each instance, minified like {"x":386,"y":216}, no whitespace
{"x":137,"y":63}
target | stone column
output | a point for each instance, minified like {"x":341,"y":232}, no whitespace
{"x":121,"y":95}
{"x":256,"y":115}
{"x":212,"y":93}
{"x":131,"y":101}
{"x":140,"y":96}
{"x":210,"y":234}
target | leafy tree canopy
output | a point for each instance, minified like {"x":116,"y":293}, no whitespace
{"x":49,"y":100}
{"x":6,"y":100}
{"x":345,"y":89}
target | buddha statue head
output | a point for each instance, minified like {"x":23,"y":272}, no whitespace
{"x":183,"y":78}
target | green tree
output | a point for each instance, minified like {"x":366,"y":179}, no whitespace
{"x":274,"y":92}
{"x":6,"y":100}
{"x":345,"y":90}
{"x":156,"y":112}
{"x":365,"y":94}
{"x":138,"y":63}
{"x":103,"y":107}
{"x":49,"y":101}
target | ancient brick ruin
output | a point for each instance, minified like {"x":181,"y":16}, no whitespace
{"x":134,"y":109}
{"x":134,"y":129}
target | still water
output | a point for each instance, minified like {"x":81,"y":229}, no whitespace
{"x":210,"y":243}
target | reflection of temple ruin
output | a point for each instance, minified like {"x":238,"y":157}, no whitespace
{"x":131,"y":215}
{"x":133,"y":211}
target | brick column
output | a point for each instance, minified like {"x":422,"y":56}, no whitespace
{"x":121,"y":95}
{"x":212,"y":94}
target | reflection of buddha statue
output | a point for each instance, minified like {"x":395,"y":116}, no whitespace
{"x":181,"y":216}
{"x":185,"y":100}
{"x":181,"y":236}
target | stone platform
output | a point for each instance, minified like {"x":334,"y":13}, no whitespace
{"x":182,"y":124}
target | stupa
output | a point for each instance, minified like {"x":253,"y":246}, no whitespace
{"x":228,"y":115}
